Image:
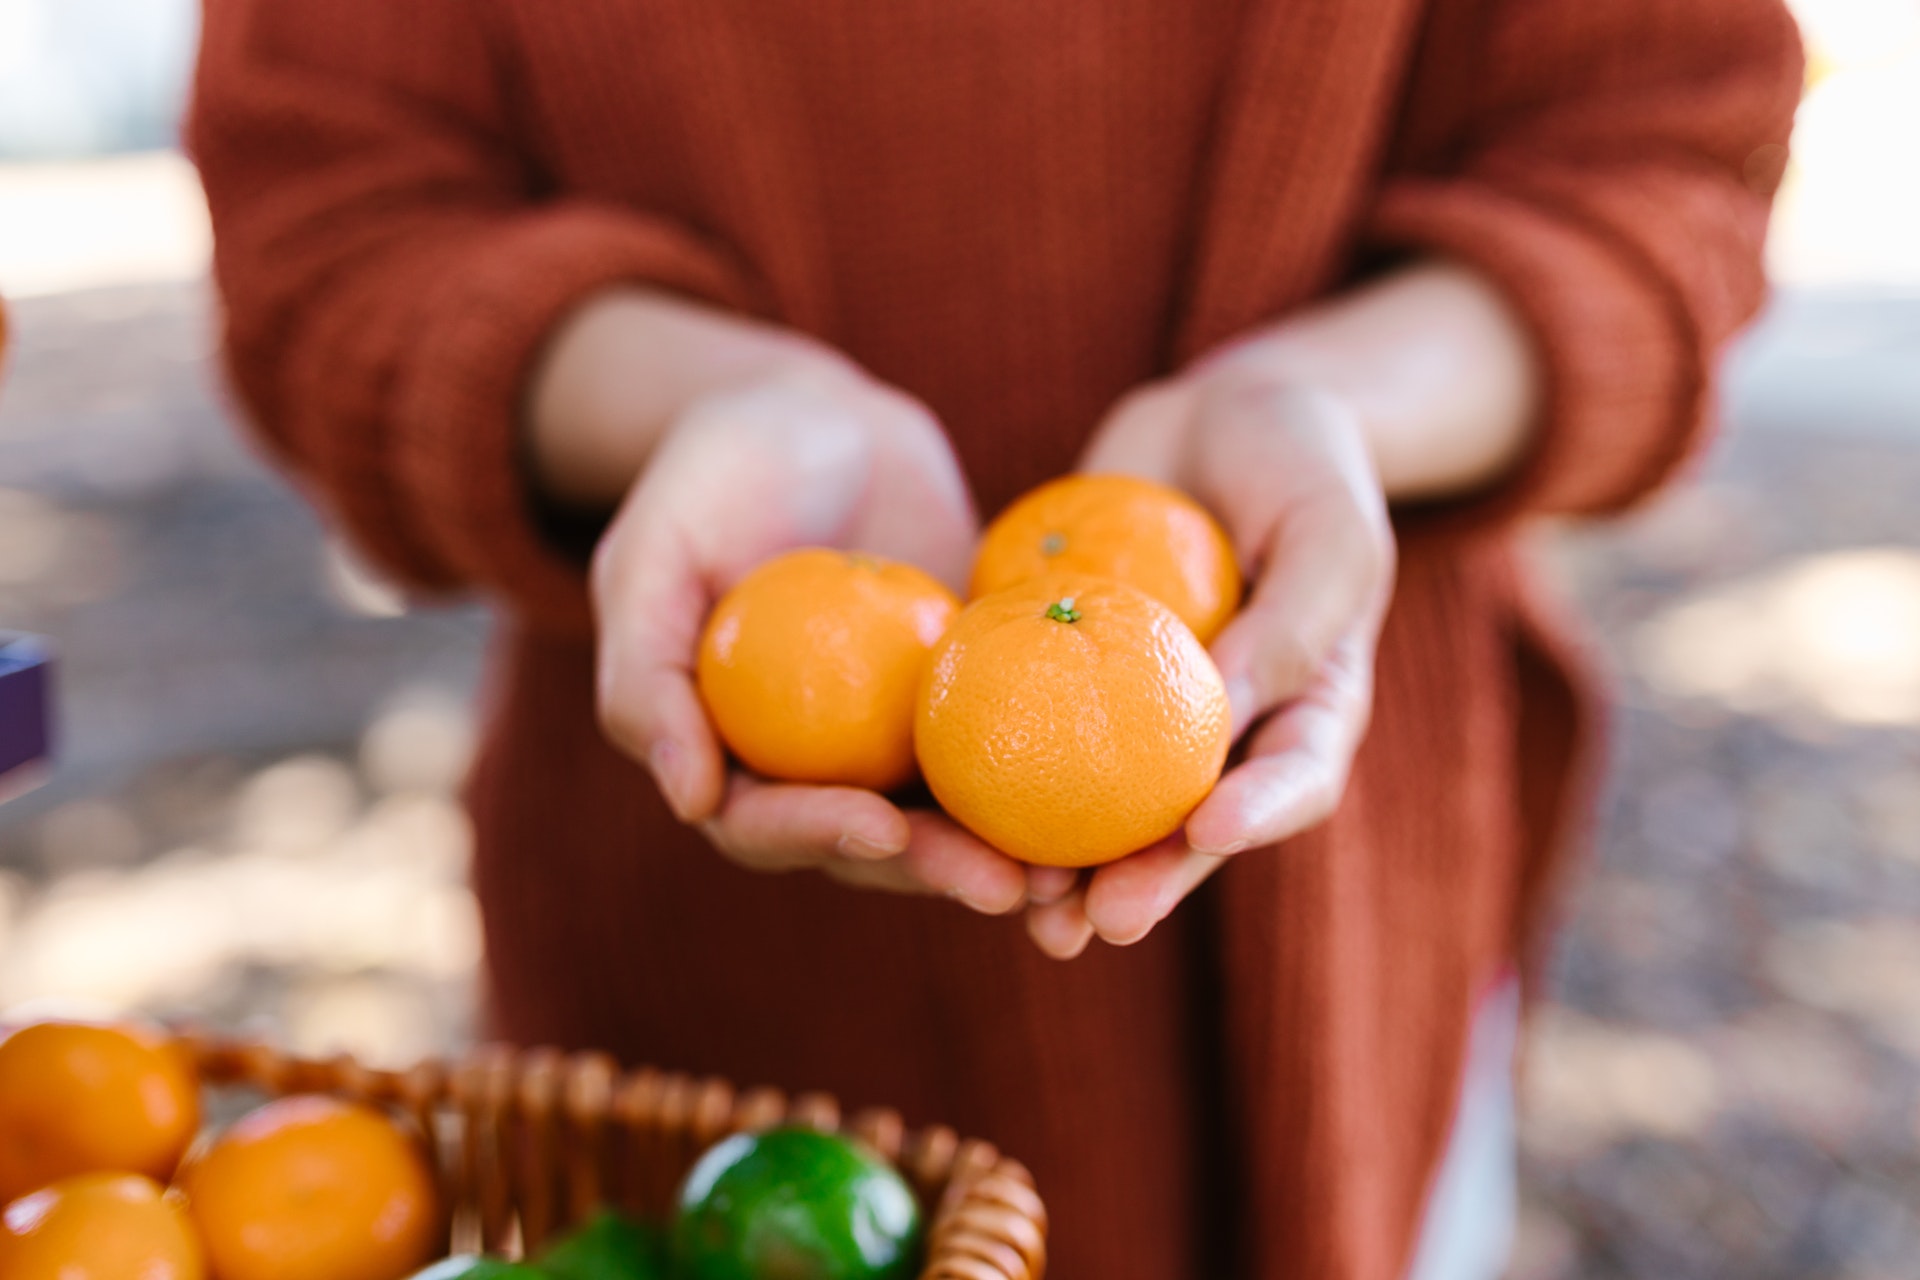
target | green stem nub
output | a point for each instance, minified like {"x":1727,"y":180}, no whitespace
{"x":1053,"y":544}
{"x":1062,"y":610}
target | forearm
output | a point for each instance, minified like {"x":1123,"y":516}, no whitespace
{"x":1433,"y":360}
{"x":625,"y":365}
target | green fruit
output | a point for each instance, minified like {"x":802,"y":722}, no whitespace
{"x":794,"y":1204}
{"x":468,"y":1267}
{"x":605,"y":1247}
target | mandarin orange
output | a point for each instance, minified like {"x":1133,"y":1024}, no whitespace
{"x":98,"y":1226}
{"x":79,"y":1098}
{"x":809,"y":666}
{"x":1144,"y":534}
{"x":312,"y":1188}
{"x":1071,"y":720}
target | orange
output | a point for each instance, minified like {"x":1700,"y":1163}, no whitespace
{"x":98,"y":1226}
{"x":1071,"y":721}
{"x":809,"y":666}
{"x":1145,"y":534}
{"x":312,"y":1188}
{"x":77,"y":1098}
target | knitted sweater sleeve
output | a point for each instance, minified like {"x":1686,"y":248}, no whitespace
{"x":389,"y":269}
{"x":1609,"y":166}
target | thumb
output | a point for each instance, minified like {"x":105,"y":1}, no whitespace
{"x":651,"y":602}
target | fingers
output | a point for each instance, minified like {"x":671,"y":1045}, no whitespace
{"x":778,"y":826}
{"x":860,"y":839}
{"x":1050,"y":884}
{"x":1061,"y":928}
{"x":1126,"y":899}
{"x":725,"y":491}
{"x":1297,"y":767}
{"x":652,"y":603}
{"x":1292,"y":780}
{"x":740,"y":479}
{"x":949,"y":860}
{"x":1291,"y":475}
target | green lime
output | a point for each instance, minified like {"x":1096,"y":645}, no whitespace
{"x":606,"y":1246}
{"x":467,"y":1267}
{"x":794,"y":1204}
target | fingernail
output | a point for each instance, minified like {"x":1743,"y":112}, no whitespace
{"x":1242,"y":701}
{"x":972,"y":903}
{"x":854,"y":845}
{"x":1057,"y":943}
{"x":1220,"y":851}
{"x":665,"y":764}
{"x":1072,"y":950}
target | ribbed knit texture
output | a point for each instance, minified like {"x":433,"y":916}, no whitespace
{"x":1017,"y":210}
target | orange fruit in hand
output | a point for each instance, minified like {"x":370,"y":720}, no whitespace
{"x":98,"y":1226}
{"x":77,"y":1098}
{"x":313,"y":1188}
{"x":809,"y":666}
{"x":1144,"y":534}
{"x":1071,"y":721}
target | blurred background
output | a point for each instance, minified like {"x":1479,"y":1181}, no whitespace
{"x":253,"y":820}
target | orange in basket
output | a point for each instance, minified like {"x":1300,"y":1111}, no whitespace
{"x":77,"y":1098}
{"x":313,"y":1188}
{"x":98,"y":1226}
{"x":528,"y":1143}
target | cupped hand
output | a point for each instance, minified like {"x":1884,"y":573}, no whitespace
{"x":821,"y":457}
{"x":1286,"y":469}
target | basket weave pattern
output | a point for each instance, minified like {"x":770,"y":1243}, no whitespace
{"x":529,"y":1142}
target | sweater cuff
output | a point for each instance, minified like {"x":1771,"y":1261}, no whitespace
{"x":1622,"y":391}
{"x":458,"y":456}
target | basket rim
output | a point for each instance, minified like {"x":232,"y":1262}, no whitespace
{"x":985,"y":1219}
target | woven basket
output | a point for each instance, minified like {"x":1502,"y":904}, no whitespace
{"x":529,"y":1142}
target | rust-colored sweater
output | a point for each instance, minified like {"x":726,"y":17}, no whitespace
{"x":1016,"y":210}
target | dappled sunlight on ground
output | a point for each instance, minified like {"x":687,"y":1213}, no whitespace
{"x":1835,"y":634}
{"x":328,"y":903}
{"x":1725,"y":1079}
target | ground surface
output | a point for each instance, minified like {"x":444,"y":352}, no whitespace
{"x":252,"y":821}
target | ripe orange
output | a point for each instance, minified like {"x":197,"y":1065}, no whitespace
{"x":98,"y":1226}
{"x":810,"y":663}
{"x":77,"y":1098}
{"x":312,"y":1188}
{"x":1071,"y":721}
{"x":1145,"y":534}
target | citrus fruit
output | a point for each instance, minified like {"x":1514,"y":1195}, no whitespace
{"x":1144,"y":534}
{"x":794,"y":1204}
{"x":98,"y":1226}
{"x":1070,"y":721}
{"x":468,"y":1267}
{"x":809,"y":664}
{"x":606,"y":1246}
{"x":312,"y":1188}
{"x":78,"y":1098}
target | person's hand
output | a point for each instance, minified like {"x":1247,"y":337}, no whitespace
{"x":819,"y":456}
{"x":1287,"y":471}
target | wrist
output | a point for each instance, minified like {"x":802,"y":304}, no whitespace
{"x":1435,"y":365}
{"x":624,"y":367}
{"x":1278,"y":378}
